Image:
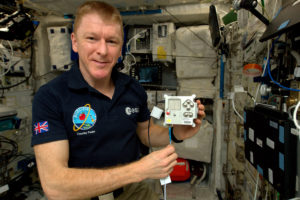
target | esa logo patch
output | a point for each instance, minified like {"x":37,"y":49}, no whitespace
{"x":130,"y":111}
{"x":84,"y":118}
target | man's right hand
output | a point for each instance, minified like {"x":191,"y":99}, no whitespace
{"x":158,"y":164}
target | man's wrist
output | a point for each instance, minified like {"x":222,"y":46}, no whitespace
{"x":174,"y":139}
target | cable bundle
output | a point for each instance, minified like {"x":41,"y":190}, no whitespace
{"x":7,"y":152}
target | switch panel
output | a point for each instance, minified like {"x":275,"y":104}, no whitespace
{"x":180,"y":110}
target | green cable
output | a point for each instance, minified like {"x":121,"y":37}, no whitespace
{"x":263,"y":6}
{"x":263,"y":3}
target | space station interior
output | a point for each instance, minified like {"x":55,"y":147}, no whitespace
{"x":240,"y":58}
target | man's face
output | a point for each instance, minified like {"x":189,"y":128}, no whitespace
{"x":99,"y":45}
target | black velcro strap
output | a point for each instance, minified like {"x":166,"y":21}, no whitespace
{"x":116,"y":193}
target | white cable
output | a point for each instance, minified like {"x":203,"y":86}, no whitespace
{"x":296,"y":2}
{"x":296,"y":198}
{"x":165,"y":185}
{"x":233,"y":106}
{"x":165,"y":192}
{"x":266,"y":197}
{"x":203,"y":175}
{"x":290,"y":111}
{"x":136,"y":36}
{"x":256,"y":93}
{"x":126,"y":62}
{"x":9,"y":64}
{"x":295,"y":116}
{"x":256,"y":187}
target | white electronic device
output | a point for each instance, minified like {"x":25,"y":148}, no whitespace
{"x":163,"y":41}
{"x":180,"y":110}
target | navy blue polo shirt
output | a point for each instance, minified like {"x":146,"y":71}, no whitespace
{"x":101,"y":131}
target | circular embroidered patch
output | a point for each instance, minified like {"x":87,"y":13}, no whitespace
{"x":84,"y":118}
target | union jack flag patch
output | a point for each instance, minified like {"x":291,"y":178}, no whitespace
{"x":41,"y":127}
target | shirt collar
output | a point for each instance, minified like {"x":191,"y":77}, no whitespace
{"x":75,"y":78}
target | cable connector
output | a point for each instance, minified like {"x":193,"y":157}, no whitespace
{"x":230,"y":95}
{"x":238,"y":89}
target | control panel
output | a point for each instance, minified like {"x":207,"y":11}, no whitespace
{"x":180,"y":110}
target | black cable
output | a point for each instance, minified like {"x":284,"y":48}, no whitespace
{"x":54,"y":71}
{"x":150,"y":146}
{"x":12,"y":152}
{"x":2,"y":94}
{"x":161,"y":101}
{"x":26,"y":156}
{"x":251,"y":96}
{"x":219,"y":194}
{"x":7,"y":140}
{"x":5,"y":156}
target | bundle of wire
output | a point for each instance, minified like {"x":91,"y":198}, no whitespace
{"x":127,"y":62}
{"x":6,"y":56}
{"x":7,"y":152}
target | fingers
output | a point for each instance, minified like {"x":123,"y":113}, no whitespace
{"x":162,"y":162}
{"x":201,"y":114}
{"x":169,"y":156}
{"x":170,"y":169}
{"x":200,"y":105}
{"x":168,"y":150}
{"x":169,"y":162}
{"x":201,"y":111}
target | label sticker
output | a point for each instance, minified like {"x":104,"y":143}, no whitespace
{"x":251,"y":157}
{"x":270,"y":173}
{"x":273,"y":124}
{"x":270,"y":143}
{"x":259,"y":142}
{"x":165,"y":181}
{"x":251,"y":134}
{"x":295,"y":131}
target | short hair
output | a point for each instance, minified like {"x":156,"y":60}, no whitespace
{"x":104,"y":10}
